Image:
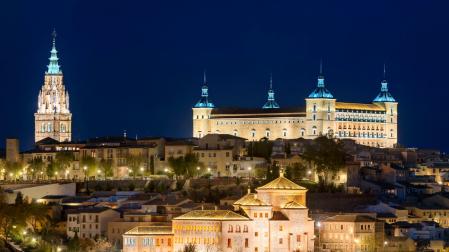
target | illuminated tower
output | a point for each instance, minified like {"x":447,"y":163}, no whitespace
{"x":385,"y":99}
{"x":202,"y":111}
{"x":320,"y":110}
{"x":271,"y":103}
{"x":53,"y":118}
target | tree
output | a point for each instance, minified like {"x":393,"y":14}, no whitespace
{"x":326,"y":154}
{"x":36,"y":165}
{"x":19,"y":199}
{"x":134,"y":163}
{"x":63,"y":160}
{"x":176,"y":166}
{"x":14,"y":168}
{"x":36,"y":216}
{"x":91,"y":165}
{"x":189,"y":248}
{"x":106,"y":166}
{"x":51,"y":169}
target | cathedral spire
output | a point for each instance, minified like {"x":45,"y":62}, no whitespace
{"x":204,"y":101}
{"x":271,"y":103}
{"x":53,"y":67}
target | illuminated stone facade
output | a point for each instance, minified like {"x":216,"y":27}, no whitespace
{"x":274,"y":218}
{"x":373,"y":124}
{"x":53,"y":118}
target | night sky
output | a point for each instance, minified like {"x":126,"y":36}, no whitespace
{"x":138,"y":65}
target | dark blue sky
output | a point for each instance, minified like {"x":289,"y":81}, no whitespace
{"x":137,"y":65}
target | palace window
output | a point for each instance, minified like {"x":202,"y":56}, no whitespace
{"x":284,"y":132}
{"x":280,"y":241}
{"x":314,"y":130}
{"x":229,"y":243}
{"x":314,"y":107}
{"x":237,"y":229}
{"x":253,"y":133}
{"x":302,"y":132}
{"x":267,"y":133}
{"x":245,"y":229}
{"x":246,"y":243}
{"x":314,"y":117}
{"x":230,"y":229}
{"x":235,"y":132}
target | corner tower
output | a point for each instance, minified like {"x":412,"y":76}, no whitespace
{"x":53,"y":118}
{"x":385,"y":99}
{"x":202,"y":111}
{"x":320,"y":110}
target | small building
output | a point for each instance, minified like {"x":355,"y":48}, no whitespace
{"x":89,"y":222}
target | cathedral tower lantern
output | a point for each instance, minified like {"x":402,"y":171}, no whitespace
{"x":271,"y":103}
{"x":202,"y":111}
{"x":53,"y":118}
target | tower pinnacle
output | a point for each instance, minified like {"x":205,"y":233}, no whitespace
{"x":53,"y":67}
{"x":204,"y":101}
{"x":384,"y":95}
{"x":320,"y":91}
{"x":271,"y":103}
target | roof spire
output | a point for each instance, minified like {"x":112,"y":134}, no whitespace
{"x":321,"y":66}
{"x":204,"y":101}
{"x":271,"y":103}
{"x":53,"y":67}
{"x":384,"y":95}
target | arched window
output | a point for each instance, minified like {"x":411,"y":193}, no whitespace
{"x":49,"y":128}
{"x":237,"y":228}
{"x":253,"y":133}
{"x":284,"y":132}
{"x":314,"y":117}
{"x":235,"y":132}
{"x":245,"y":229}
{"x":267,"y":133}
{"x":314,"y":130}
{"x":230,"y":229}
{"x":314,"y":107}
{"x":303,"y":132}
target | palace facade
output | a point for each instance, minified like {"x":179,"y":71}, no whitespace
{"x":275,"y":218}
{"x":53,"y":118}
{"x":373,"y":124}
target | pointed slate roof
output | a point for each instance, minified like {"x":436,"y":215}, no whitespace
{"x":204,"y":102}
{"x":271,"y":103}
{"x":384,"y":95}
{"x":53,"y":66}
{"x":320,"y":90}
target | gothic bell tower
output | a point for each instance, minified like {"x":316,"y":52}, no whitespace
{"x":53,"y":118}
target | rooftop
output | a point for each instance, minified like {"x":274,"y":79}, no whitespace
{"x":359,"y":106}
{"x":350,"y":218}
{"x":281,"y":183}
{"x":150,"y":230}
{"x":211,"y":215}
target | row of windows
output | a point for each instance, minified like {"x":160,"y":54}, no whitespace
{"x":148,"y":242}
{"x":362,"y":134}
{"x":196,"y":228}
{"x":258,"y":122}
{"x":237,"y":229}
{"x":196,"y":240}
{"x":360,"y":127}
{"x":48,"y":127}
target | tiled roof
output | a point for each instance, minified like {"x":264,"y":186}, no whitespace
{"x":250,"y":200}
{"x":293,"y":205}
{"x":350,"y":218}
{"x":211,"y":215}
{"x":150,"y":230}
{"x":359,"y":106}
{"x":281,"y":183}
